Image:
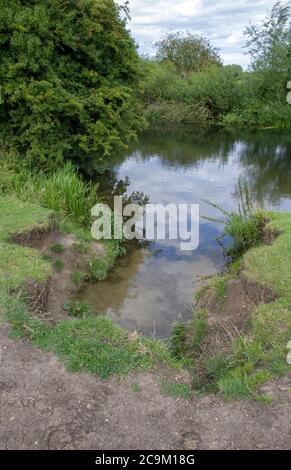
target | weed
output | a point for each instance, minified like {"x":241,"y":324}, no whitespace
{"x":78,"y":278}
{"x":59,"y":265}
{"x":78,"y":309}
{"x":135,"y":387}
{"x":175,"y":389}
{"x":57,"y":248}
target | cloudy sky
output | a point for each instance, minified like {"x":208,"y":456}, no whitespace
{"x":222,"y":21}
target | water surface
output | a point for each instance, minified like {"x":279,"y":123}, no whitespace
{"x":153,"y":286}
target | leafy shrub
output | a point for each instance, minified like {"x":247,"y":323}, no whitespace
{"x":68,"y":75}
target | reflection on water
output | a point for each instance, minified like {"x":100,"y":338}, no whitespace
{"x":153,"y":286}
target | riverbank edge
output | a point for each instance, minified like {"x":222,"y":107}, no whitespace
{"x":237,"y":340}
{"x":80,"y":338}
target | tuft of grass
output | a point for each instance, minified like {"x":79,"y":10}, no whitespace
{"x":78,"y":309}
{"x":99,"y":267}
{"x":57,"y":248}
{"x":175,"y":389}
{"x":245,"y":225}
{"x":81,"y":247}
{"x":78,"y":277}
{"x":135,"y":387}
{"x":64,"y":191}
{"x":59,"y":265}
{"x":187,"y":339}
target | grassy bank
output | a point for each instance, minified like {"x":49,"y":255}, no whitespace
{"x":91,"y":343}
{"x":257,"y":352}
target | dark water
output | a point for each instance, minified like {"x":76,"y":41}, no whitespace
{"x":152,"y":287}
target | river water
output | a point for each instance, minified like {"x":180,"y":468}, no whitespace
{"x":154,"y":285}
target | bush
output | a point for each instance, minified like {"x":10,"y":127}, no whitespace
{"x":68,"y":75}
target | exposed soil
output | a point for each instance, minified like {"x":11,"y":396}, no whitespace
{"x":45,"y":407}
{"x":48,"y":300}
{"x":230,"y":315}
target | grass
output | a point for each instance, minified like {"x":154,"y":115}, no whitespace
{"x":57,"y":248}
{"x":63,"y":191}
{"x":17,"y":263}
{"x":260,"y":354}
{"x":100,"y":266}
{"x":21,"y":217}
{"x":92,"y":344}
{"x":59,"y":265}
{"x":175,"y":389}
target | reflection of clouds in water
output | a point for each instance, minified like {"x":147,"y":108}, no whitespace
{"x":150,"y":288}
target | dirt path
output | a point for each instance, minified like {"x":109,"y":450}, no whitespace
{"x":42,"y":406}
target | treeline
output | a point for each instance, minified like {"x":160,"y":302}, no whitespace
{"x":186,"y":81}
{"x":74,"y":88}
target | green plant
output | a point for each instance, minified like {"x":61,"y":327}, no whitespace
{"x":59,"y":265}
{"x":178,"y":339}
{"x":81,"y":247}
{"x":78,"y":278}
{"x":78,"y":309}
{"x":175,"y":389}
{"x":245,"y":225}
{"x":57,"y":248}
{"x":62,"y":96}
{"x":136,"y":387}
{"x":91,"y":344}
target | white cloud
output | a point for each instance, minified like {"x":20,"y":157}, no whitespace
{"x":222,"y":21}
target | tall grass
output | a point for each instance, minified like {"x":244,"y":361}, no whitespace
{"x":63,"y":191}
{"x":245,"y":224}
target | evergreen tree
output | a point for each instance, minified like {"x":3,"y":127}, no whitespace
{"x":68,"y":77}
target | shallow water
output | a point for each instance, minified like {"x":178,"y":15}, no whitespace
{"x":153,"y":286}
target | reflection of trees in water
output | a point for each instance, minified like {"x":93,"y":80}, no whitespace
{"x":266,"y":157}
{"x":178,"y":149}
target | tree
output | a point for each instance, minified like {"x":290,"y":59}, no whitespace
{"x":269,"y":43}
{"x":68,"y":76}
{"x":188,"y":52}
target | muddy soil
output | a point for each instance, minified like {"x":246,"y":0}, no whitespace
{"x":43,"y":406}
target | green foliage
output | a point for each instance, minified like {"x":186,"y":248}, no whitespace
{"x":100,"y":266}
{"x":62,"y":190}
{"x":78,"y":277}
{"x":77,"y":309}
{"x":254,"y":357}
{"x":178,"y":88}
{"x":187,"y":338}
{"x":59,"y":265}
{"x":68,"y":75}
{"x":57,"y":248}
{"x":92,"y":344}
{"x":187,"y":52}
{"x":175,"y":389}
{"x":245,"y":225}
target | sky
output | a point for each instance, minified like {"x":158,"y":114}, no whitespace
{"x":223,"y":22}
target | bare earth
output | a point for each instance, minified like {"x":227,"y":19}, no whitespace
{"x":42,"y":406}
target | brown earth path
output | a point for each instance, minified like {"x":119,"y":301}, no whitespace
{"x":43,"y":406}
